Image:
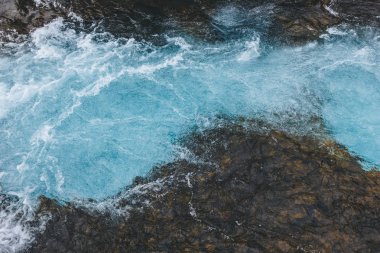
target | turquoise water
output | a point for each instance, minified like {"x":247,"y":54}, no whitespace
{"x":82,"y":114}
{"x":80,"y":118}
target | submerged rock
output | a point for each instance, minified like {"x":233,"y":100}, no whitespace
{"x":242,"y":191}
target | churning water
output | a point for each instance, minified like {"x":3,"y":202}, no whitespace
{"x":82,"y":114}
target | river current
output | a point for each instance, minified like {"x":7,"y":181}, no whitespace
{"x":82,"y":114}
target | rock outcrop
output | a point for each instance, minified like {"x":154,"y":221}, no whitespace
{"x":285,"y":21}
{"x":245,"y":191}
{"x":18,"y":17}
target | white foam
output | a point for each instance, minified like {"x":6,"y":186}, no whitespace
{"x":43,"y":134}
{"x":21,"y":167}
{"x":55,"y":3}
{"x":252,"y":50}
{"x":75,"y":17}
{"x":112,"y":205}
{"x":38,"y":2}
{"x":336,"y":31}
{"x":22,"y":91}
{"x":147,"y":69}
{"x":179,"y":41}
{"x":14,"y":96}
{"x":60,"y":180}
{"x":48,"y":40}
{"x":330,"y":9}
{"x":93,"y":90}
{"x":14,"y":235}
{"x":15,"y":231}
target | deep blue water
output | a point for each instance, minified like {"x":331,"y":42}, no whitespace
{"x":81,"y":119}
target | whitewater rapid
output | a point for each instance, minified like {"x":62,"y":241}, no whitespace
{"x":82,"y":114}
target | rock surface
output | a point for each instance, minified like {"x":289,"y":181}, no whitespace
{"x":22,"y":16}
{"x":245,"y":191}
{"x":355,"y":11}
{"x":281,"y":20}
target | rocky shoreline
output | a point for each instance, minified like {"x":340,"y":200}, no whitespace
{"x":255,"y":189}
{"x":245,"y":190}
{"x":290,"y":22}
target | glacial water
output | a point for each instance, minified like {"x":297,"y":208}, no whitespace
{"x":82,"y":114}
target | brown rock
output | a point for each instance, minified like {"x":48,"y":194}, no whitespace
{"x":291,"y":22}
{"x":295,"y":194}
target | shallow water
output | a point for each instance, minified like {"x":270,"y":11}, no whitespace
{"x":82,"y":114}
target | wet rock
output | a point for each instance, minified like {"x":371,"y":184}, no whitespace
{"x":298,"y":23}
{"x":248,"y":190}
{"x":358,"y":12}
{"x":22,"y":16}
{"x":281,"y":20}
{"x":146,"y":19}
{"x":290,"y":21}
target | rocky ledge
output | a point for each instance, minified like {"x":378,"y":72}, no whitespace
{"x":286,"y":21}
{"x":244,"y":190}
